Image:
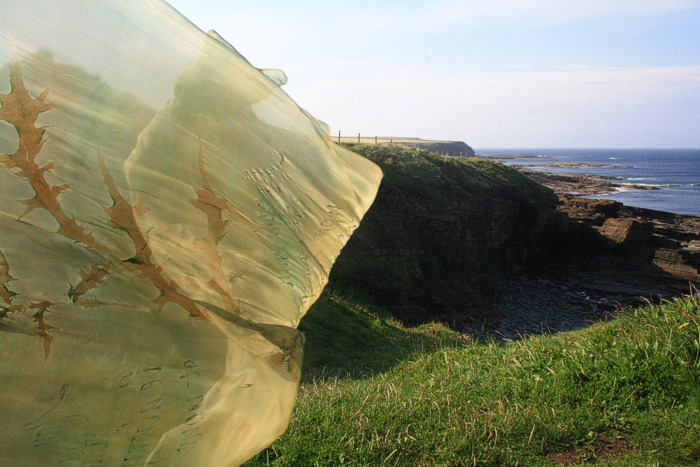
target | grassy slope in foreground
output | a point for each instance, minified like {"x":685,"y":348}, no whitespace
{"x":380,"y":394}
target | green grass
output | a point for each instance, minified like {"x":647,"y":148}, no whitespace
{"x":376,"y":393}
{"x":417,"y":174}
{"x":346,"y":339}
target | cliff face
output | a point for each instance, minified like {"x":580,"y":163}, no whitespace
{"x":442,"y":233}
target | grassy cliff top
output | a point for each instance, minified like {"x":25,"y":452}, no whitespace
{"x":621,"y":393}
{"x":450,"y":148}
{"x":418,"y":172}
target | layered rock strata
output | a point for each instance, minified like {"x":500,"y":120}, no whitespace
{"x":660,"y":246}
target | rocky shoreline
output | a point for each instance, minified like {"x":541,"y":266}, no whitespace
{"x":582,"y":184}
{"x":577,"y":184}
{"x":599,"y":258}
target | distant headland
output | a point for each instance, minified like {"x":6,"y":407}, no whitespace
{"x":446,"y":148}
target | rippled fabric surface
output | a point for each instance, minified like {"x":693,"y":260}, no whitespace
{"x":167,"y":216}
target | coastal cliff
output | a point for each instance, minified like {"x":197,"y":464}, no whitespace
{"x":443,"y":233}
{"x":481,"y":246}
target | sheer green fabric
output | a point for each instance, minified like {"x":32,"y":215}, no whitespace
{"x":167,"y":216}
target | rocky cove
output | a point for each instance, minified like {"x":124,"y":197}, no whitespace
{"x":494,"y":251}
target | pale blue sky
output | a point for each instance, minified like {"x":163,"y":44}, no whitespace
{"x":503,"y":73}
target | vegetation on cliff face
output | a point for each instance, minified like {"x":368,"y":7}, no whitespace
{"x":442,"y":232}
{"x":621,"y":393}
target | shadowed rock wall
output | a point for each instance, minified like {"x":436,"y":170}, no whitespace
{"x":442,"y":234}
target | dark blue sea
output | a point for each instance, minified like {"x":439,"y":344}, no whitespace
{"x":676,"y":172}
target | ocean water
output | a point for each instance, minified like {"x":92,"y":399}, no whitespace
{"x":675,"y":172}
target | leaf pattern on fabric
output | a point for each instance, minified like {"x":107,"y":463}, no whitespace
{"x":168,"y":214}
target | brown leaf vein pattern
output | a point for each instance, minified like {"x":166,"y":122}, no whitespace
{"x":22,"y":111}
{"x":213,"y":206}
{"x":122,"y":217}
{"x":89,"y":281}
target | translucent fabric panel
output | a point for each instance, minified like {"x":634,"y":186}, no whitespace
{"x":167,"y":216}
